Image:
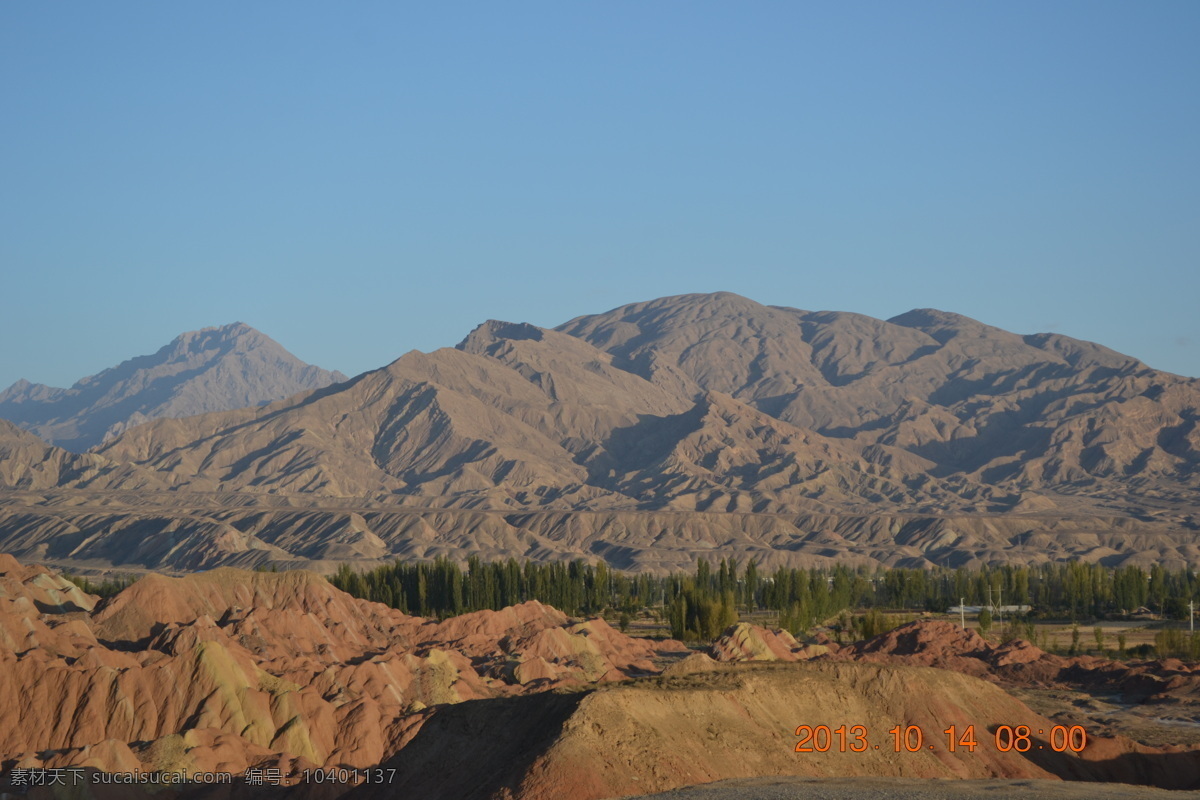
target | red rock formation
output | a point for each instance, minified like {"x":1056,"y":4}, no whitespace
{"x":946,"y":645}
{"x":226,"y":670}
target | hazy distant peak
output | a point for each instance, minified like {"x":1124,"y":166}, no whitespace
{"x":21,"y":387}
{"x":24,"y":391}
{"x":230,"y":332}
{"x":212,"y":369}
{"x":224,"y":336}
{"x":230,"y":329}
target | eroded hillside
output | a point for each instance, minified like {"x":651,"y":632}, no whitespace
{"x":242,"y":673}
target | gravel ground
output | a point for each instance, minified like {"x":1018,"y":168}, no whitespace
{"x":912,"y":789}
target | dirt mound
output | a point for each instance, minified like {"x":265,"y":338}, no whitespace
{"x":926,"y":643}
{"x":745,"y":642}
{"x":932,"y":637}
{"x":231,"y":596}
{"x":946,"y":645}
{"x":1148,"y":700}
{"x":696,"y":662}
{"x":47,"y":590}
{"x":741,"y":722}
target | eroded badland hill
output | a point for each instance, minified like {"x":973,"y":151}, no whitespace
{"x":246,"y":673}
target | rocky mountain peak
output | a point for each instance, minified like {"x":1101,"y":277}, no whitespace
{"x":484,"y":336}
{"x":212,"y":369}
{"x":945,"y":325}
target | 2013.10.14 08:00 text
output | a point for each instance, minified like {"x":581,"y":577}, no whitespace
{"x":913,"y":739}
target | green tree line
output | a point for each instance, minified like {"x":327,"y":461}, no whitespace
{"x":698,"y":605}
{"x":105,"y":588}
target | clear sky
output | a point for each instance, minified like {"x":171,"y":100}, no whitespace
{"x":361,"y":179}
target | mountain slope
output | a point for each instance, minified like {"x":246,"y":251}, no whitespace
{"x":29,"y":464}
{"x":214,"y":369}
{"x":723,"y":455}
{"x":447,"y":424}
{"x":1040,"y":411}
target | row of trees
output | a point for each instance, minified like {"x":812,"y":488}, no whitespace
{"x":697,"y":604}
{"x":441,"y":588}
{"x":105,"y":588}
{"x":1076,"y":590}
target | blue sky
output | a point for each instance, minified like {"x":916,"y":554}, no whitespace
{"x":358,"y":180}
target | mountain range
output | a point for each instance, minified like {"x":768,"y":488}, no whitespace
{"x":656,"y":432}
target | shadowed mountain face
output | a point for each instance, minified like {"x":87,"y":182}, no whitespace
{"x":214,"y":369}
{"x":660,"y":431}
{"x":1030,"y":412}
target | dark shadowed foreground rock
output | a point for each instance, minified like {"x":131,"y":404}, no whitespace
{"x":740,"y":722}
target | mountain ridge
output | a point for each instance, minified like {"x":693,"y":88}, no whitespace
{"x":785,"y":435}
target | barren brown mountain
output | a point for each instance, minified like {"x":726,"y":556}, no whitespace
{"x":214,"y":369}
{"x":662,"y":431}
{"x":1041,"y":411}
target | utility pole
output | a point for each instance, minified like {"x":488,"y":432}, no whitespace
{"x":962,"y":611}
